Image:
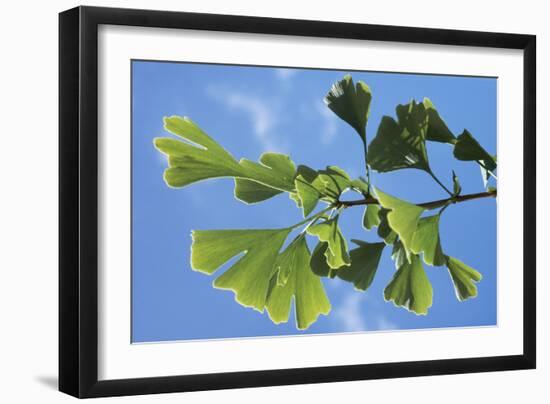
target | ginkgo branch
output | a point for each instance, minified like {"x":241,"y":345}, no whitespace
{"x":426,"y":205}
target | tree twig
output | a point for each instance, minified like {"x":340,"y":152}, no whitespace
{"x":426,"y":205}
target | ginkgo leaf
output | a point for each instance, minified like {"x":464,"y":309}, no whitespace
{"x":197,"y":159}
{"x":426,"y":240}
{"x":463,"y":277}
{"x":337,"y":252}
{"x":398,"y":254}
{"x":395,"y":147}
{"x":252,"y":192}
{"x":335,"y":180}
{"x":371,"y":216}
{"x":361,"y":185}
{"x":467,"y":148}
{"x":403,"y":217}
{"x":410,"y":287}
{"x":318,"y":261}
{"x":301,"y":283}
{"x":385,"y":232}
{"x":309,"y":189}
{"x":250,"y":276}
{"x":200,"y":158}
{"x":364,"y":263}
{"x":351,"y":103}
{"x":437,"y":131}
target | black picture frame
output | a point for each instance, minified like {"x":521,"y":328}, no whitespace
{"x":78,"y":201}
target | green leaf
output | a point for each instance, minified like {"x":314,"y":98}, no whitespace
{"x":335,"y":180}
{"x":361,"y":185}
{"x":337,"y":252}
{"x":364,"y":263}
{"x":385,"y":232}
{"x":398,"y":254}
{"x":410,"y":287}
{"x":426,"y":240}
{"x":351,"y":103}
{"x":438,"y":131}
{"x":309,"y":294}
{"x":199,"y":157}
{"x":309,"y":188}
{"x":371,"y":216}
{"x":403,"y":217}
{"x":398,"y":145}
{"x":463,"y":278}
{"x":467,"y":148}
{"x":318,"y":262}
{"x":457,"y":188}
{"x":252,"y":192}
{"x":250,"y":276}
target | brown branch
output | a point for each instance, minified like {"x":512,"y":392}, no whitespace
{"x":427,"y":205}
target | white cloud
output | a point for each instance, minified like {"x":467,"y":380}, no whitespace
{"x":328,"y":122}
{"x":285,"y":75}
{"x":382,"y":323}
{"x":351,"y":318}
{"x":259,"y":111}
{"x":349,"y":313}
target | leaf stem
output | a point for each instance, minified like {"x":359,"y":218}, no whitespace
{"x":440,"y":183}
{"x":311,"y":218}
{"x":426,"y":205}
{"x":366,"y":163}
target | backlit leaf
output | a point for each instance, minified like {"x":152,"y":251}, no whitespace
{"x":251,"y":191}
{"x":385,"y":232}
{"x":337,"y":252}
{"x":467,"y":148}
{"x":250,"y":276}
{"x":336,"y":180}
{"x":426,"y":240}
{"x":438,"y":131}
{"x":364,"y":263}
{"x":371,"y":216}
{"x":301,"y":283}
{"x":199,"y":157}
{"x":399,"y":145}
{"x":403,"y":217}
{"x":410,"y":287}
{"x":351,"y":103}
{"x":464,"y":278}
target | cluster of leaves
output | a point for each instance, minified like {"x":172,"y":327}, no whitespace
{"x":269,"y":277}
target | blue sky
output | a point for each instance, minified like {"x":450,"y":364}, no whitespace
{"x":250,"y":110}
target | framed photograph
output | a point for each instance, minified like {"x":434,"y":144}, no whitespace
{"x":252,"y":201}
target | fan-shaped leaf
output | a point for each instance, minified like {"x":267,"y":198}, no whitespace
{"x":410,"y":287}
{"x":251,"y":191}
{"x":337,"y":252}
{"x":364,"y":263}
{"x":463,"y":277}
{"x":467,"y":148}
{"x":310,"y":298}
{"x":371,"y":216}
{"x":396,"y":147}
{"x":385,"y":232}
{"x":438,"y":131}
{"x":403,"y":217}
{"x":351,"y":103}
{"x":201,"y":158}
{"x":426,"y":240}
{"x":249,"y":277}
